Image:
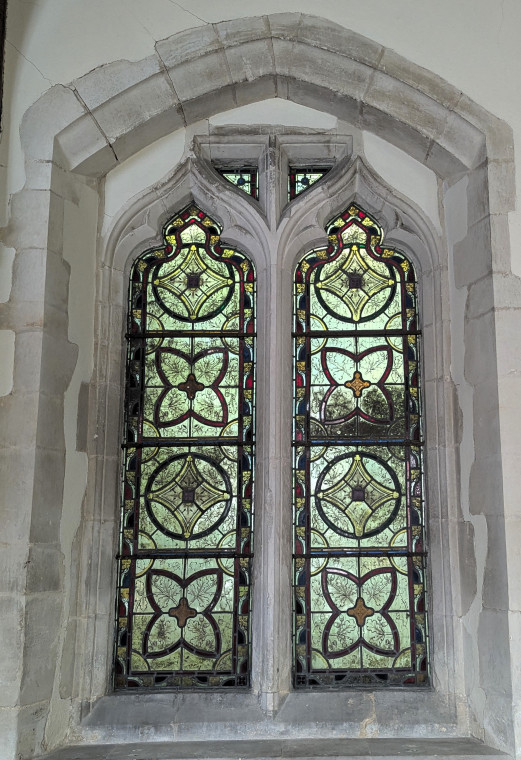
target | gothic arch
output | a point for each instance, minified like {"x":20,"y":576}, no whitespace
{"x":74,"y":135}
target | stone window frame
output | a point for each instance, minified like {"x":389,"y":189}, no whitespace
{"x":275,"y":234}
{"x":71,"y":138}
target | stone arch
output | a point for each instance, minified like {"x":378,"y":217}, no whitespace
{"x":75,"y":134}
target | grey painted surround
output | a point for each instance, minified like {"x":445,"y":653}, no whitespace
{"x":72,"y":137}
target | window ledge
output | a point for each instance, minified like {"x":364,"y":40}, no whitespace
{"x":298,"y":749}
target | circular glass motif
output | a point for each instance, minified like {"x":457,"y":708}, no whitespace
{"x":188,"y":496}
{"x":194,"y":286}
{"x":355,"y":287}
{"x":358,"y":495}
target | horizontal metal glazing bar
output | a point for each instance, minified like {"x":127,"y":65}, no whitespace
{"x":380,"y":552}
{"x":355,"y":442}
{"x":184,"y":442}
{"x":190,"y":333}
{"x":180,"y":554}
{"x":351,"y":333}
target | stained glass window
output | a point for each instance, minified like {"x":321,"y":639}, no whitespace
{"x":359,"y":558}
{"x":244,"y":178}
{"x":300,"y":179}
{"x":186,"y":541}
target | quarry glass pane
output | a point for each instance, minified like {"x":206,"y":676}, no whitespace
{"x":186,"y":540}
{"x":301,"y":179}
{"x":245,"y":178}
{"x":359,"y":556}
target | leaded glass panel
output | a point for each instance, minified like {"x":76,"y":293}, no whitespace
{"x":186,"y":541}
{"x":359,"y":557}
{"x":301,"y":179}
{"x":245,"y":178}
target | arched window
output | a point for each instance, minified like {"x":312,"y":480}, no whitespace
{"x":186,"y":537}
{"x":358,"y":506}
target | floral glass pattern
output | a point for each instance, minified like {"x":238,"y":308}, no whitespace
{"x":245,"y":178}
{"x":301,"y":179}
{"x":359,"y":558}
{"x":186,"y":540}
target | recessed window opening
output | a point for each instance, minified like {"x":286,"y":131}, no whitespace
{"x":359,"y":556}
{"x":183,"y":610}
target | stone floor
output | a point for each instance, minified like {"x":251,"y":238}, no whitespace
{"x":300,"y":749}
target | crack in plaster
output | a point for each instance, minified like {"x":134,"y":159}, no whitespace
{"x":187,"y":11}
{"x":31,"y":63}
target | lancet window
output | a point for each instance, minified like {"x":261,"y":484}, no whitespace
{"x":183,"y":609}
{"x":359,"y":557}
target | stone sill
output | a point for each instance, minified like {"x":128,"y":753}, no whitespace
{"x":297,"y":749}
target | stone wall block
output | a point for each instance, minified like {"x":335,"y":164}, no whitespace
{"x":44,"y":568}
{"x":426,"y":81}
{"x":256,"y":90}
{"x":498,"y":134}
{"x":308,"y":94}
{"x":11,"y":636}
{"x":485,"y":488}
{"x":480,"y":349}
{"x":29,"y":227}
{"x":85,"y":148}
{"x":209,"y":104}
{"x":508,"y":336}
{"x":487,"y":434}
{"x":59,"y":358}
{"x":48,"y":496}
{"x":9,"y":731}
{"x":512,"y":533}
{"x":318,"y":32}
{"x":188,"y":45}
{"x":42,"y":619}
{"x":329,"y":70}
{"x":237,"y":31}
{"x":412,"y":107}
{"x":472,"y":256}
{"x":494,"y":660}
{"x":495,"y":580}
{"x":443,"y":162}
{"x":477,"y":194}
{"x":20,"y":412}
{"x":113,"y":80}
{"x":135,"y":107}
{"x":250,"y":61}
{"x":16,"y":477}
{"x":405,"y":137}
{"x":207,"y":74}
{"x":31,"y":730}
{"x":283,"y":56}
{"x":148,"y":131}
{"x":28,"y":355}
{"x":285,"y":26}
{"x":463,"y":141}
{"x":29,"y":268}
{"x":500,"y":240}
{"x":480,"y":299}
{"x":501,"y":186}
{"x":56,"y":109}
{"x":467,"y":566}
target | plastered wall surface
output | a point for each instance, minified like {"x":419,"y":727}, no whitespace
{"x":61,"y":377}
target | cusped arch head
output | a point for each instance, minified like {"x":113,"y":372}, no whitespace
{"x":403,"y":225}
